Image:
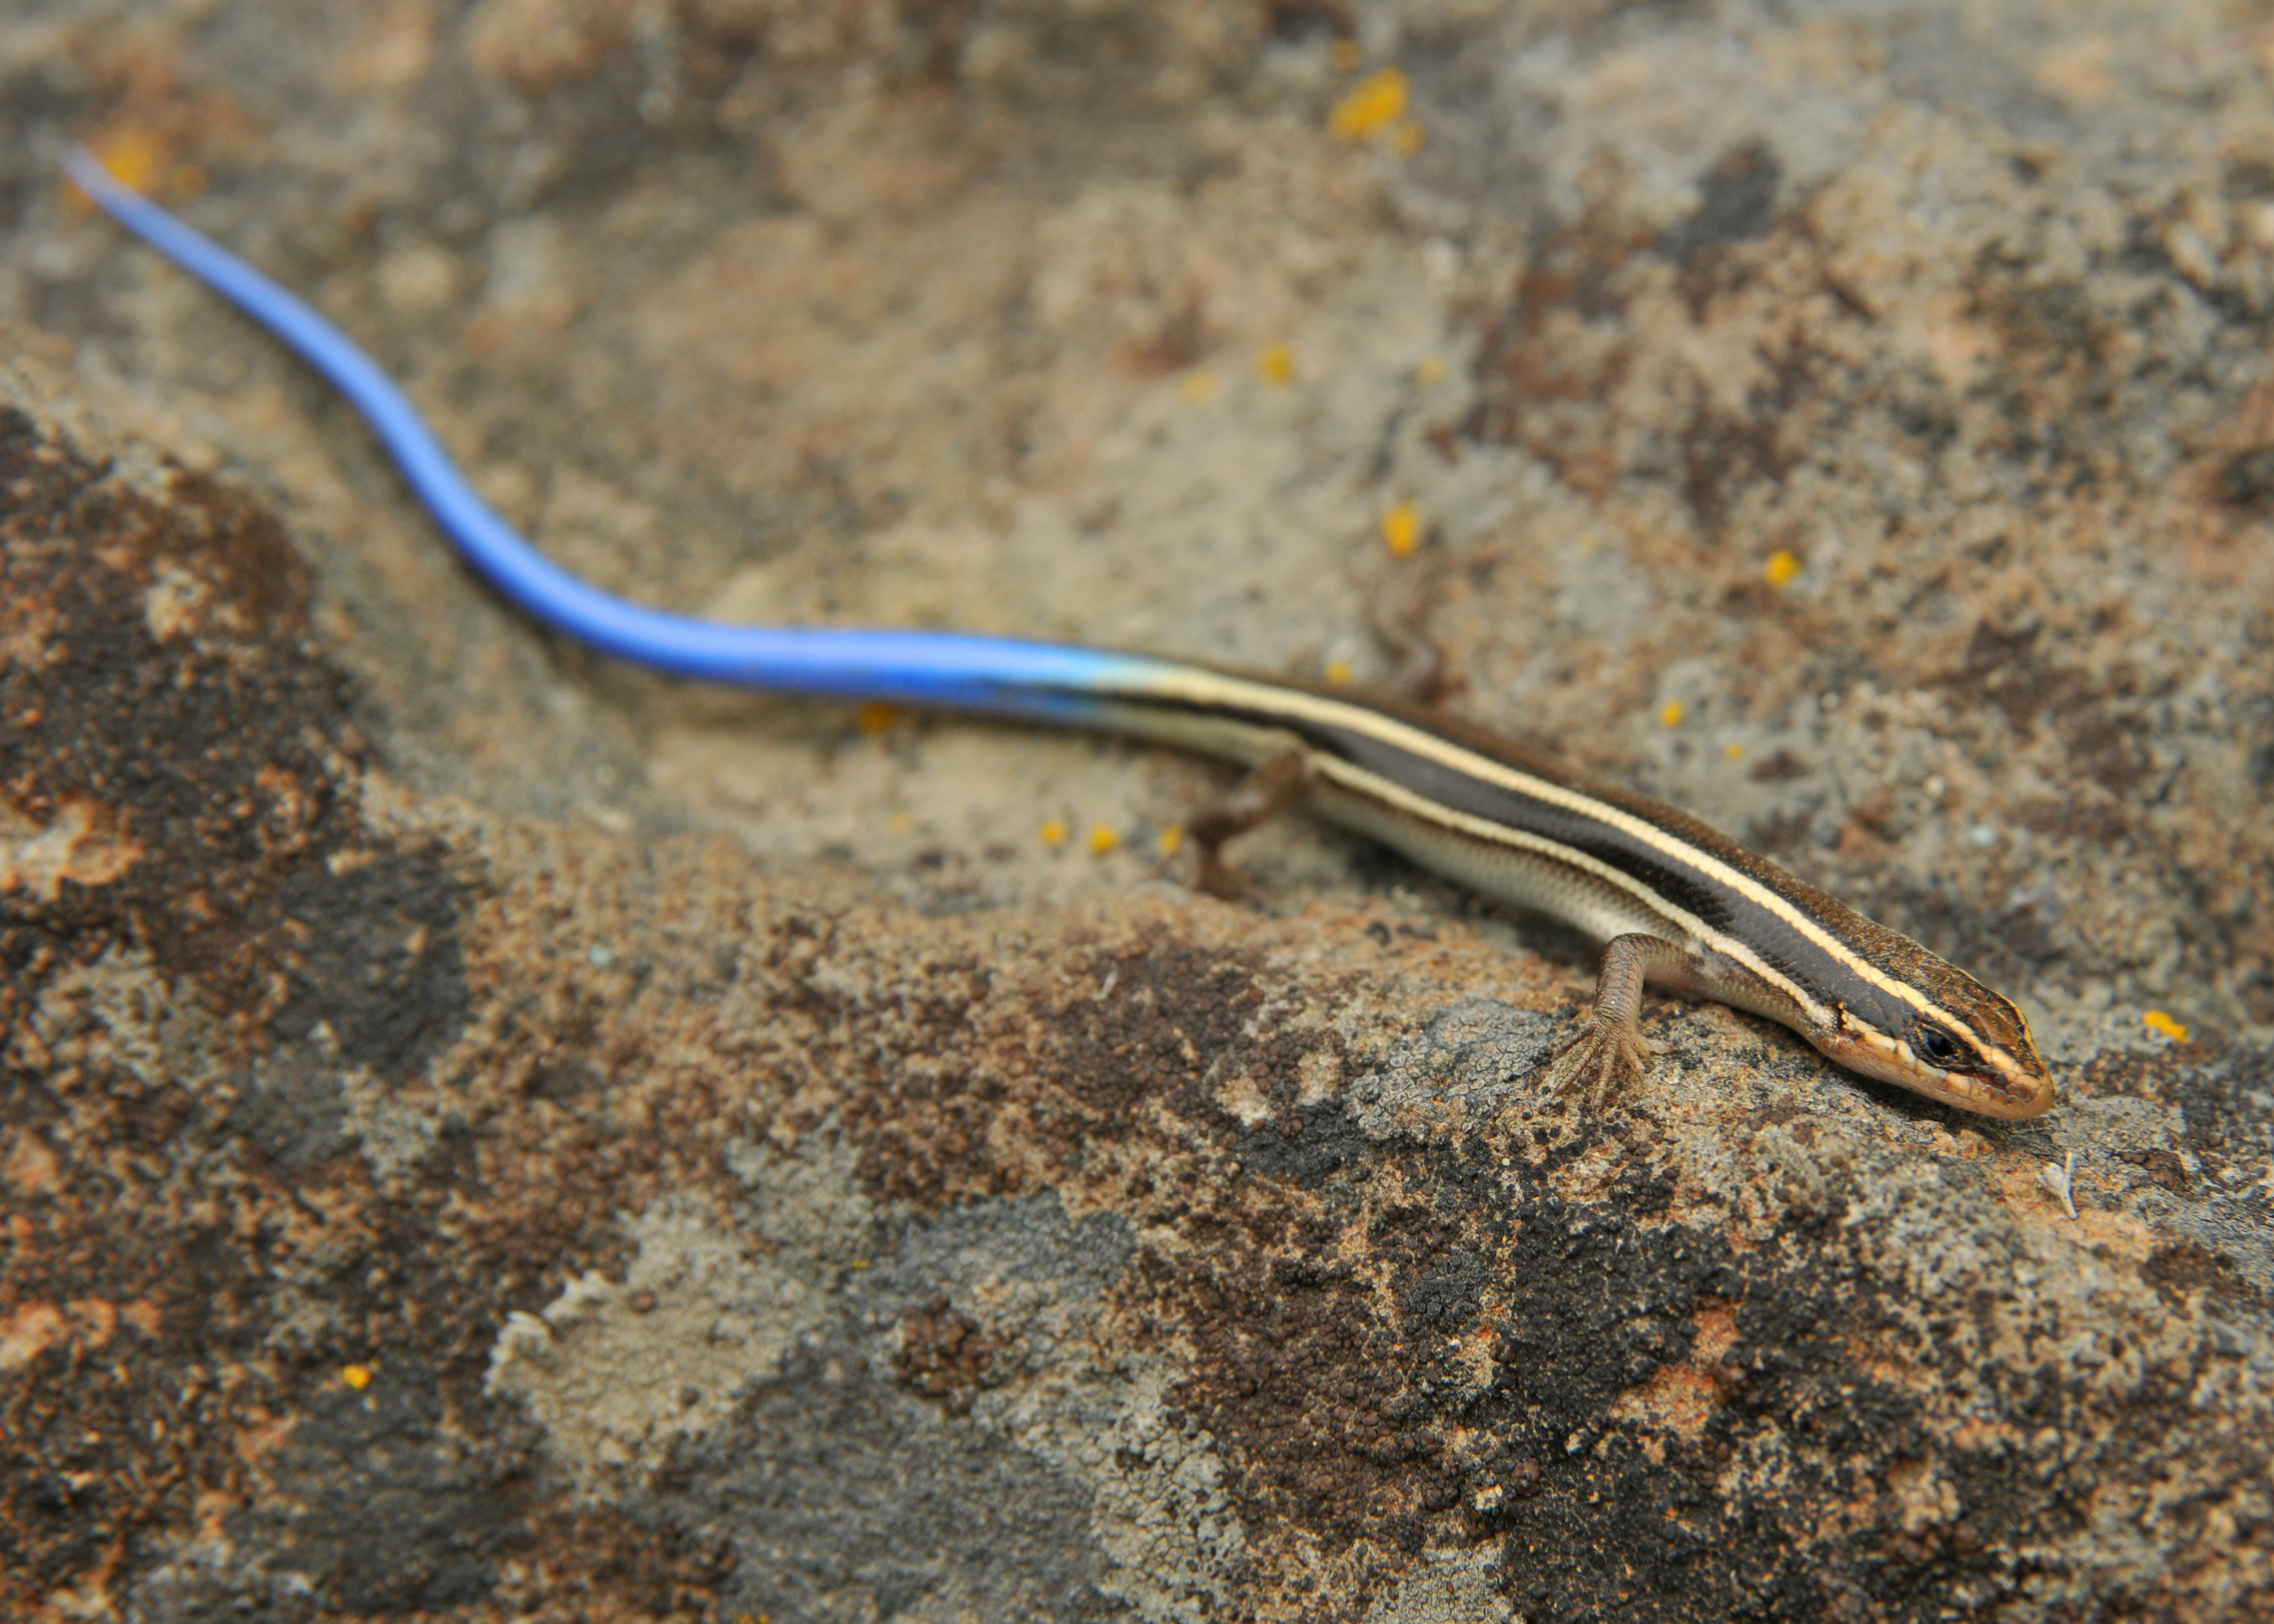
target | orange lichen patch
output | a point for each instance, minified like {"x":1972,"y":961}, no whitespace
{"x":2021,"y":1188}
{"x":1374,"y":104}
{"x":1715,"y":1328}
{"x":2156,"y":1020}
{"x":1979,"y":1434}
{"x":262,"y":1435}
{"x":1679,"y":1398}
{"x":1102,"y":840}
{"x":1965,"y":1144}
{"x":1275,"y":365}
{"x":94,"y":1320}
{"x":1400,"y":529}
{"x":356,"y":1377}
{"x":1670,"y":714}
{"x":83,"y":843}
{"x":29,"y":1167}
{"x":210,"y":1509}
{"x":876,"y":717}
{"x":1782,"y":568}
{"x":28,"y":1332}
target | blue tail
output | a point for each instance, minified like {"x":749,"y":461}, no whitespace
{"x":1046,"y":681}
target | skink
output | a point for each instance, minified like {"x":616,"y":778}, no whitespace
{"x":1676,"y":903}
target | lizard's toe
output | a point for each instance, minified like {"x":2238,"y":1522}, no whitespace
{"x":1600,"y":1060}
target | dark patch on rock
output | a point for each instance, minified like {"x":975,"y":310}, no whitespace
{"x":840,"y":1495}
{"x":2229,"y":1102}
{"x":375,"y":961}
{"x":1297,"y":20}
{"x":1310,"y":1146}
{"x":1445,"y":1294}
{"x":2163,"y":1169}
{"x":2247,"y":478}
{"x":1535,"y":385}
{"x":167,"y":699}
{"x":380,"y":1506}
{"x":2183,"y":1268}
{"x":1736,"y":202}
{"x":172,"y":728}
{"x":291,"y":1106}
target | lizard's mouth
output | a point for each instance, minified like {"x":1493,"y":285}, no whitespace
{"x":2009,"y":1088}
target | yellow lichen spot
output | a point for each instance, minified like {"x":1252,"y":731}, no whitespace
{"x":133,"y":156}
{"x":1782,"y":567}
{"x":1102,"y":840}
{"x":899,"y":823}
{"x":1171,"y":838}
{"x":1407,"y":139}
{"x":357,"y":1376}
{"x":1338,"y":671}
{"x":1374,"y":103}
{"x":1345,"y":55}
{"x":1401,"y":529}
{"x":1733,"y":752}
{"x":1198,"y":386}
{"x":1670,"y":714}
{"x":875,"y":717}
{"x":2156,"y":1020}
{"x":860,"y":1263}
{"x":1275,"y":365}
{"x":1054,"y":834}
{"x":1430,"y":371}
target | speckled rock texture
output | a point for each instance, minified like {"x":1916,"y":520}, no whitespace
{"x":487,"y":1135}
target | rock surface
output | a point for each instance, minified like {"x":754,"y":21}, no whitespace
{"x":487,"y":1135}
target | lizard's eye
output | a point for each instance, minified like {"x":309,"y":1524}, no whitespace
{"x":1938,"y":1046}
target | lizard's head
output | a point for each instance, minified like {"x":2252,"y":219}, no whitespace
{"x":1969,"y":1047}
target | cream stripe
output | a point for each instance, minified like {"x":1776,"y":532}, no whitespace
{"x":1484,"y":829}
{"x":1197,"y":686}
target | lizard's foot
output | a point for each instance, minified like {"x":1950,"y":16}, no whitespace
{"x":1604,"y":1058}
{"x":1217,"y":878}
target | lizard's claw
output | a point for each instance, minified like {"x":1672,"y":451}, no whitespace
{"x":1601,"y":1060}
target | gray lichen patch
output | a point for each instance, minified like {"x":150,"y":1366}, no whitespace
{"x":1467,"y":1060}
{"x":123,"y":1011}
{"x":1445,"y":1587}
{"x":618,"y":1372}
